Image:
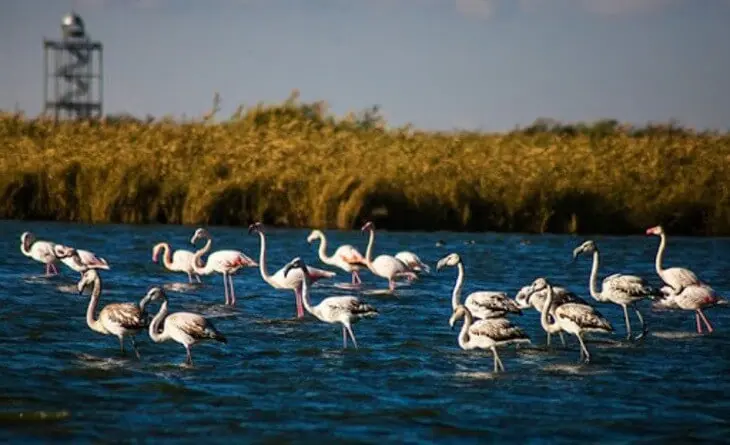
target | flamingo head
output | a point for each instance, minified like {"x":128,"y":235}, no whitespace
{"x":293,"y":264}
{"x":200,"y":233}
{"x":458,"y":313}
{"x":587,"y":247}
{"x":656,"y":230}
{"x":154,"y":294}
{"x":538,"y":285}
{"x":256,"y":227}
{"x":61,"y":251}
{"x":451,"y":259}
{"x":89,"y":276}
{"x":314,"y":235}
{"x":26,"y":239}
{"x":368,"y":226}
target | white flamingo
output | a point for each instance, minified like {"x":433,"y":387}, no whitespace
{"x":489,"y":333}
{"x":118,"y":319}
{"x":280,"y":280}
{"x":45,"y":252}
{"x":573,"y":318}
{"x":180,"y":261}
{"x":82,"y":260}
{"x":346,"y":310}
{"x":346,"y":257}
{"x":226,"y":262}
{"x":481,"y":304}
{"x":385,"y":266}
{"x":525,"y":299}
{"x":676,"y":277}
{"x":620,"y":289}
{"x":413,"y":262}
{"x":186,"y":328}
{"x":694,"y":297}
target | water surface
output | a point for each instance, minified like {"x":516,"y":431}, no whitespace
{"x":280,"y":380}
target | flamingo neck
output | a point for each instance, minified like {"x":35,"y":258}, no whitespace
{"x":95,"y":325}
{"x":305,"y":292}
{"x":464,"y":333}
{"x":593,"y":280}
{"x":166,"y":254}
{"x":262,"y":260}
{"x":456,"y":294}
{"x":25,"y":246}
{"x":322,"y":251}
{"x":208,"y":268}
{"x":660,"y":254}
{"x":550,"y":328}
{"x":155,"y":335}
{"x":369,"y":250}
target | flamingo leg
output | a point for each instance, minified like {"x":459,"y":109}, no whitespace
{"x":707,"y":322}
{"x":352,"y":335}
{"x":644,"y":328}
{"x":189,"y":357}
{"x":55,"y":269}
{"x":48,"y":269}
{"x":197,"y":278}
{"x":232,"y":290}
{"x":344,"y":337}
{"x":121,"y":343}
{"x":300,"y":306}
{"x":134,"y":346}
{"x":225,"y":286}
{"x":628,"y":322}
{"x":356,"y":277}
{"x":586,"y":355}
{"x":697,"y":319}
{"x":547,"y":342}
{"x":391,"y":285}
{"x":562,"y":337}
{"x":190,"y":278}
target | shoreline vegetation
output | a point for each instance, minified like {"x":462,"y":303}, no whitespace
{"x":294,"y":164}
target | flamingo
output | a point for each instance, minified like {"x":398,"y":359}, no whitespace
{"x":486,"y":334}
{"x":45,"y":252}
{"x":620,"y":289}
{"x":676,"y":277}
{"x":83,"y":260}
{"x":225,"y":262}
{"x":281,"y":280}
{"x":694,"y":297}
{"x":186,"y":328}
{"x":413,"y":262}
{"x":481,"y":304}
{"x":346,"y":310}
{"x":118,"y":319}
{"x":180,"y":261}
{"x":346,"y":257}
{"x":573,"y":318}
{"x":385,"y":266}
{"x":525,"y":299}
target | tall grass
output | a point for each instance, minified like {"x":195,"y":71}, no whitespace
{"x":294,"y":164}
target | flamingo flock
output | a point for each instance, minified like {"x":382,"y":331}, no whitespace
{"x":486,"y":314}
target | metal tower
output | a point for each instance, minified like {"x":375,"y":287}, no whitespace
{"x":73,"y":68}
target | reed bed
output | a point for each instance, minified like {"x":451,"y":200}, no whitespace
{"x":293,"y":164}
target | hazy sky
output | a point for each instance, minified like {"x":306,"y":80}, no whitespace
{"x":486,"y":64}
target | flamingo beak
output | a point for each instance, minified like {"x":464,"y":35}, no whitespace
{"x":440,"y":265}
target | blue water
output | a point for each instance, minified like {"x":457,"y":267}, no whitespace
{"x":280,"y":380}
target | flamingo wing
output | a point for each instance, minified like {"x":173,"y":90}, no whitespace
{"x":90,"y":259}
{"x":350,"y":255}
{"x":629,"y":284}
{"x":126,"y":315}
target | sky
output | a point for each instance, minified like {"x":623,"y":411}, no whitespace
{"x":487,"y":65}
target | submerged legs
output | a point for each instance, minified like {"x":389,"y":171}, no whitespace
{"x":225,"y":286}
{"x":628,"y":322}
{"x":585,"y":355}
{"x":707,"y":322}
{"x":644,"y":328}
{"x":134,"y":346}
{"x":697,"y":319}
{"x":231,"y":290}
{"x":352,"y":335}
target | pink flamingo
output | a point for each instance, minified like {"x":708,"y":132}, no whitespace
{"x":180,"y":261}
{"x":694,"y":297}
{"x":385,"y":266}
{"x":676,"y":277}
{"x":45,"y":252}
{"x":294,"y":279}
{"x":346,"y":257}
{"x":226,"y":262}
{"x":84,"y":260}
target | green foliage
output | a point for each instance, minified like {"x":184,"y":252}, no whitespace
{"x":294,"y":164}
